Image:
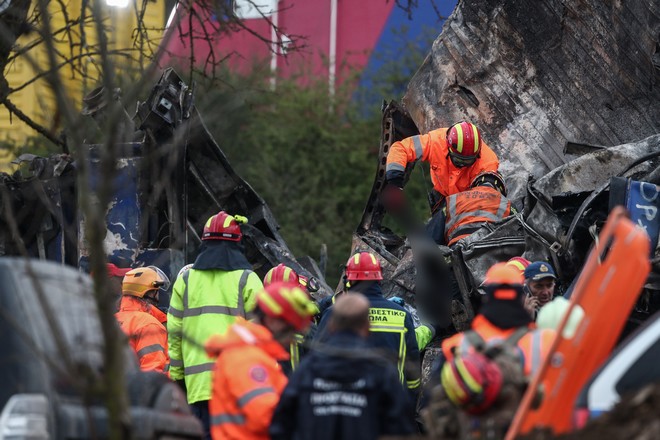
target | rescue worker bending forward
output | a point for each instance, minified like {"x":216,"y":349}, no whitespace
{"x":141,"y":320}
{"x":248,"y":381}
{"x":392,"y":329}
{"x":456,"y":155}
{"x":207,"y":299}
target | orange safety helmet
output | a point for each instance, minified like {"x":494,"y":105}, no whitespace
{"x":287,"y":301}
{"x":503,"y":282}
{"x":363,"y":266}
{"x":464,"y":143}
{"x":138,"y":282}
{"x":490,"y":178}
{"x":472,"y":382}
{"x":223,"y":226}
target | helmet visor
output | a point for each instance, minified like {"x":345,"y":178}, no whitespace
{"x":461,"y":161}
{"x":311,"y":284}
{"x":163,"y":281}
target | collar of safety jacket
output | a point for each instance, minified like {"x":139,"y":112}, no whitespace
{"x":243,"y":333}
{"x":133,"y":304}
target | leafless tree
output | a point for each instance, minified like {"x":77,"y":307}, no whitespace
{"x":85,"y":38}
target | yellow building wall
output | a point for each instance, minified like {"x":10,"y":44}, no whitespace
{"x":82,"y":72}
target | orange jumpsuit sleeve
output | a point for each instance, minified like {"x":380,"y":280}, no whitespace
{"x":407,"y":151}
{"x":254,"y":387}
{"x":151,"y":348}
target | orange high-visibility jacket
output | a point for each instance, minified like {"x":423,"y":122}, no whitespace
{"x":147,"y":336}
{"x":247,"y":381}
{"x":432,"y":148}
{"x":468,"y":210}
{"x":534,"y":346}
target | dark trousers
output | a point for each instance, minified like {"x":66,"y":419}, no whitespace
{"x":435,"y":228}
{"x":201,"y":411}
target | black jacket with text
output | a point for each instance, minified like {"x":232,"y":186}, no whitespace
{"x":343,"y":390}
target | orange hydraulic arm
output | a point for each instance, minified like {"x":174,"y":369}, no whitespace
{"x":607,"y":290}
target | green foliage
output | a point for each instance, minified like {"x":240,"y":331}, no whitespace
{"x":310,"y":157}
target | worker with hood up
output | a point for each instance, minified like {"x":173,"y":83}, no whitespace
{"x":206,"y":300}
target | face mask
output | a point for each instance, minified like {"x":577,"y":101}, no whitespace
{"x":461,"y":161}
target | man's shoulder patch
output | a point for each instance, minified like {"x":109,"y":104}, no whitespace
{"x":258,"y":373}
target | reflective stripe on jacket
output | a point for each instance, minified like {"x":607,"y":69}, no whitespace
{"x":203,"y":303}
{"x":391,"y":330}
{"x":469,"y":210}
{"x":432,"y":148}
{"x":295,"y":350}
{"x":146,"y":335}
{"x":247,"y":381}
{"x":534,"y":345}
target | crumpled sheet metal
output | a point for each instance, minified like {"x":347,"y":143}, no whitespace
{"x":590,"y":171}
{"x":534,"y":75}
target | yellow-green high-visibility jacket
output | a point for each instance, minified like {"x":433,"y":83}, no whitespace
{"x":204,"y":303}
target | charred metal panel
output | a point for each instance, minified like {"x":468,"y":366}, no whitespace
{"x":39,"y":200}
{"x":206,"y":183}
{"x":534,"y":75}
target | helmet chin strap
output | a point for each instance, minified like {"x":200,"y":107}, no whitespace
{"x":151,"y":298}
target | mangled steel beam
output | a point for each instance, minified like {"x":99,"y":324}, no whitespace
{"x":36,"y":205}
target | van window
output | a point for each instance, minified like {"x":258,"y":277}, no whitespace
{"x":644,"y":371}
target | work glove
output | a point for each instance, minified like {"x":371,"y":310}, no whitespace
{"x":393,"y":198}
{"x":398,"y":300}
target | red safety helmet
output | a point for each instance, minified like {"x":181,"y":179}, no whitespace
{"x":223,"y":226}
{"x":363,"y":266}
{"x":281,"y":274}
{"x":519,"y":263}
{"x":287,"y":301}
{"x":472,"y":382}
{"x":115,"y":271}
{"x":490,"y":178}
{"x":464,"y":143}
{"x":503,"y":282}
{"x":284,"y":274}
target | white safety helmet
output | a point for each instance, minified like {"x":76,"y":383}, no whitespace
{"x":551,"y":314}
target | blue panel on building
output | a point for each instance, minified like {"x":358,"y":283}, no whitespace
{"x":401,"y":36}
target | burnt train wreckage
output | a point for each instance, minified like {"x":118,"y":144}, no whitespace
{"x":568,"y":100}
{"x":568,"y":95}
{"x":165,"y":188}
